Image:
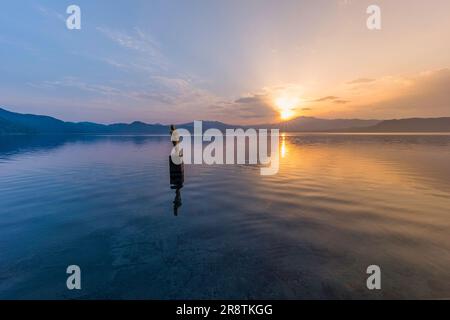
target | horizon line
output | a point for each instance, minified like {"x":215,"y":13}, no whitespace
{"x":189,"y":122}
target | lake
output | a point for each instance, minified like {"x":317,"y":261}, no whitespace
{"x":339,"y":204}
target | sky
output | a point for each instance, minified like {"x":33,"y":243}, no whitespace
{"x":236,"y":61}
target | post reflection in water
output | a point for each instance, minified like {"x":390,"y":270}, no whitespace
{"x":176,"y":170}
{"x":176,"y":182}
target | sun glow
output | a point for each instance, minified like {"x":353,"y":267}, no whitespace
{"x":286,"y":106}
{"x":286,"y":114}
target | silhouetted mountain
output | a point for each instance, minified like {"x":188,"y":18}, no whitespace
{"x":209,"y":125}
{"x":137,"y":127}
{"x":9,"y":127}
{"x":305,"y":124}
{"x":20,"y":123}
{"x":17,"y":123}
{"x":409,"y":125}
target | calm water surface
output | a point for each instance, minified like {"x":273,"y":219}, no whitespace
{"x":339,"y":204}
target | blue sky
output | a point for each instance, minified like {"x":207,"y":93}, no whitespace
{"x":175,"y":61}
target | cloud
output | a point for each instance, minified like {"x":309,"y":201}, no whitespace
{"x":150,"y":81}
{"x":13,"y":41}
{"x":114,"y":63}
{"x":140,"y":42}
{"x":251,"y":99}
{"x":332,"y":99}
{"x":50,"y":13}
{"x":181,"y":91}
{"x":327,"y":98}
{"x":340,"y":101}
{"x":361,"y":81}
{"x":72,"y":82}
{"x":424,"y":94}
{"x":158,"y":89}
{"x":252,"y":108}
{"x":160,"y":98}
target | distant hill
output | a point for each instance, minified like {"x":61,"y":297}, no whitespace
{"x":209,"y":125}
{"x":409,"y":125}
{"x":17,"y":123}
{"x":308,"y":124}
{"x":8,"y":127}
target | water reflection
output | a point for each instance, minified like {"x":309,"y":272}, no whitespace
{"x":176,"y":183}
{"x":177,"y":201}
{"x":284,"y":149}
{"x":338,"y":204}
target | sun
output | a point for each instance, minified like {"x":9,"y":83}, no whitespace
{"x":286,"y":106}
{"x":286,"y":114}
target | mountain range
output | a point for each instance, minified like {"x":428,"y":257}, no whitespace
{"x":17,"y":123}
